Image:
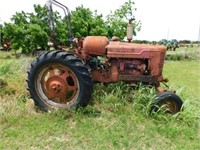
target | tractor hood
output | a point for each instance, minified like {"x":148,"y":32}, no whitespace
{"x":130,"y":50}
{"x":100,"y":45}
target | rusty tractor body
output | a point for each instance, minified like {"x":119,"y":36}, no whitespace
{"x":123,"y":61}
{"x":61,"y":79}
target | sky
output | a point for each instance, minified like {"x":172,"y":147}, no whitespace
{"x":161,"y":19}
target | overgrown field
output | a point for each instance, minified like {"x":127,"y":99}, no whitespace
{"x":116,"y":118}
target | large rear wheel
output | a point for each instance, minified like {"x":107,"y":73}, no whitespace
{"x":58,"y":79}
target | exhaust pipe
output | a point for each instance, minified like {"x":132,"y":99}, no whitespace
{"x":130,"y":30}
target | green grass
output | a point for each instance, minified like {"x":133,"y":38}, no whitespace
{"x":116,"y":118}
{"x":184,"y":74}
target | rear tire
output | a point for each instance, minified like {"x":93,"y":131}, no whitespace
{"x":58,"y":79}
{"x":169,"y":101}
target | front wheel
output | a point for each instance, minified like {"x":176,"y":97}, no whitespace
{"x":58,"y":79}
{"x":167,"y":101}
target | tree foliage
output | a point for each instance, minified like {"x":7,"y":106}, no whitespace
{"x":39,"y":17}
{"x":80,"y":20}
{"x":28,"y":31}
{"x":117,"y":20}
{"x":26,"y":37}
{"x":98,"y":26}
{"x":85,"y":23}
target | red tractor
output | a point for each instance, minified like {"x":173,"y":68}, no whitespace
{"x":62,"y":79}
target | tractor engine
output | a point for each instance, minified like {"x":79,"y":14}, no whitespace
{"x":132,"y":67}
{"x":113,"y":61}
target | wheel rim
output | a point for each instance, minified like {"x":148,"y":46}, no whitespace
{"x":170,"y":106}
{"x":57,"y":85}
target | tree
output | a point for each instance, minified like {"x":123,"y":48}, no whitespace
{"x":29,"y":31}
{"x":98,"y":26}
{"x":26,"y":37}
{"x":80,"y":20}
{"x":15,"y":33}
{"x":20,"y":18}
{"x":117,"y":21}
{"x":39,"y":17}
{"x":85,"y":23}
